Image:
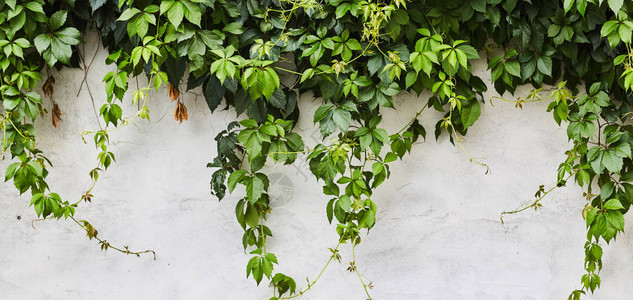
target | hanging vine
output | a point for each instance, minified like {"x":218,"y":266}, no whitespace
{"x":257,"y":56}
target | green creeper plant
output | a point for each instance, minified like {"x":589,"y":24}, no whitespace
{"x":258,"y":56}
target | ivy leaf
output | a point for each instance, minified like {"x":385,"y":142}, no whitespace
{"x":128,"y":14}
{"x":192,"y":12}
{"x":307,"y":74}
{"x":278,"y":99}
{"x":478,"y":5}
{"x":213,"y":92}
{"x":611,"y":161}
{"x":365,"y":140}
{"x":271,"y":82}
{"x":61,"y":51}
{"x":69,"y":35}
{"x":615,"y":219}
{"x":176,"y":13}
{"x":234,"y":28}
{"x":377,"y":168}
{"x":322,"y":112}
{"x":96,"y":4}
{"x":254,"y":189}
{"x":513,"y":67}
{"x":342,"y":118}
{"x":375,"y":64}
{"x":42,"y":42}
{"x":251,"y":217}
{"x":615,"y":5}
{"x":470,"y":113}
{"x":613,"y":204}
{"x":544,"y":65}
{"x":249,"y":138}
{"x":345,"y":203}
{"x":471,"y":53}
{"x":57,"y":20}
{"x":10,"y":172}
{"x":11,"y":3}
{"x":235,"y":178}
{"x":567,"y":5}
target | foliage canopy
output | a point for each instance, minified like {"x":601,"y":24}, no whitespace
{"x":256,"y":56}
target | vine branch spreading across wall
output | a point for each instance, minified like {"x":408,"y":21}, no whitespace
{"x":256,"y":56}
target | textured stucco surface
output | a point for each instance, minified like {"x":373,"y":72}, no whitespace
{"x":437,"y":236}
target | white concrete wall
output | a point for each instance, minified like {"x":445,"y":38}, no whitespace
{"x":437,"y":236}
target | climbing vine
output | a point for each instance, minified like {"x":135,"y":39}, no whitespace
{"x":258,"y":56}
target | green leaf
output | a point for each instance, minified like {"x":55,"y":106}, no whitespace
{"x":612,"y":162}
{"x":369,"y":219}
{"x":365,"y":141}
{"x":235,"y":178}
{"x":375,"y":64}
{"x":322,"y":112}
{"x":345,"y":203}
{"x":613,"y":204}
{"x":615,"y":5}
{"x":254,"y":189}
{"x":608,"y":27}
{"x":377,"y":168}
{"x":128,"y":14}
{"x":61,"y":51}
{"x":513,"y":67}
{"x":42,"y":42}
{"x":544,"y":65}
{"x":568,"y":4}
{"x":249,"y":123}
{"x":213,"y":92}
{"x":192,"y":12}
{"x":10,"y":172}
{"x":96,"y":4}
{"x":176,"y":13}
{"x":307,"y":74}
{"x":342,"y":118}
{"x":269,"y":130}
{"x":57,"y":20}
{"x":615,"y":219}
{"x":234,"y":28}
{"x":470,"y":51}
{"x":69,"y":35}
{"x":251,"y":217}
{"x":330,"y":210}
{"x":470,"y":113}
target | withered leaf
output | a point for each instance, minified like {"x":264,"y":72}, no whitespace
{"x":180,"y":114}
{"x":56,"y":115}
{"x":47,"y":88}
{"x":173,"y":92}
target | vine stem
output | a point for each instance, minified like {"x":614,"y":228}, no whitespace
{"x":85,"y":80}
{"x":536,"y":202}
{"x":459,"y":140}
{"x":358,"y":273}
{"x":287,"y":70}
{"x":412,"y":120}
{"x":518,"y":102}
{"x":270,"y":154}
{"x":104,"y":242}
{"x":311,"y":284}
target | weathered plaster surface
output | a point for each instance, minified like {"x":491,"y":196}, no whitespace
{"x":437,"y":236}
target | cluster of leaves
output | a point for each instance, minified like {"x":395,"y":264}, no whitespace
{"x":38,"y":36}
{"x":255,"y":55}
{"x":29,"y":40}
